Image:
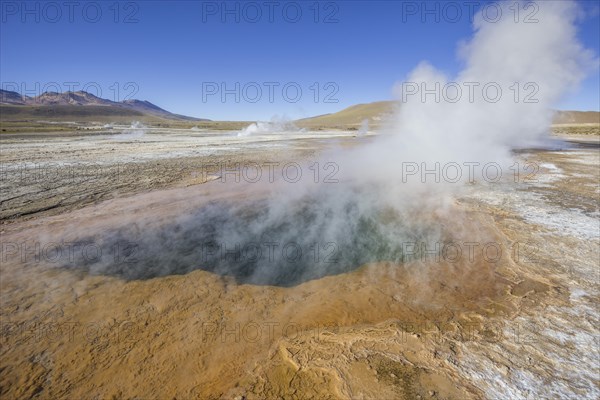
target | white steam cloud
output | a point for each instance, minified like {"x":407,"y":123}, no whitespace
{"x":134,"y":131}
{"x":371,"y":211}
{"x":534,"y":62}
{"x":276,"y":125}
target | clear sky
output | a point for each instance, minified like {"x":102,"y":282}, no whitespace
{"x":181,"y":55}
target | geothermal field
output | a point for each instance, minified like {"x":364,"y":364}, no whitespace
{"x":435,"y":246}
{"x":139,"y":272}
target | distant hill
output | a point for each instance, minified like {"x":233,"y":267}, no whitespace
{"x":8,"y":97}
{"x":67,"y":98}
{"x":21,"y":112}
{"x":353,"y":116}
{"x":79,"y":106}
{"x":149,"y":108}
{"x":577,"y":117}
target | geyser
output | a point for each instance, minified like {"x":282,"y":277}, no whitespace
{"x":323,"y":229}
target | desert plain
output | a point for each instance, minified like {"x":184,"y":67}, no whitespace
{"x":77,"y":325}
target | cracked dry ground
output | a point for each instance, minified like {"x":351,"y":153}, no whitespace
{"x":524,"y":325}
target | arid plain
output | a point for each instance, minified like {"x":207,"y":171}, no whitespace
{"x":444,"y":328}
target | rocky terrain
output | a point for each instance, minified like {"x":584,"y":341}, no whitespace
{"x":523,"y":325}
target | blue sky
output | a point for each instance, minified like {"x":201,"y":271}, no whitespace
{"x":180,"y":54}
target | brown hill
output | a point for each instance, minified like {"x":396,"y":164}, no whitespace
{"x":353,"y":117}
{"x":77,"y":105}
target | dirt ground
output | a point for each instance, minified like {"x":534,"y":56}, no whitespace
{"x":521,"y":326}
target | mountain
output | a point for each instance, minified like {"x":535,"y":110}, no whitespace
{"x":8,"y":97}
{"x":67,"y":98}
{"x":79,"y":104}
{"x":85,"y":107}
{"x":149,"y":108}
